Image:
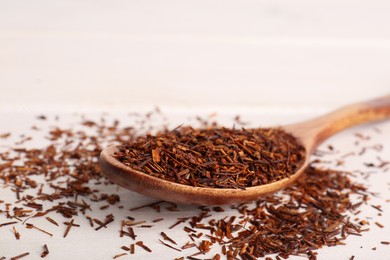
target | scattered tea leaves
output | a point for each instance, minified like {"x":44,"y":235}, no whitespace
{"x":45,"y":251}
{"x":141,"y":244}
{"x":318,"y":210}
{"x":20,"y":256}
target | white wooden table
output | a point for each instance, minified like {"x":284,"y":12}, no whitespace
{"x":272,"y":62}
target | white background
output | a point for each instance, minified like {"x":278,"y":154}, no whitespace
{"x":193,"y":53}
{"x":276,"y":61}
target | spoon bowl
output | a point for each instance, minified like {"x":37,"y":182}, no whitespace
{"x":309,"y":133}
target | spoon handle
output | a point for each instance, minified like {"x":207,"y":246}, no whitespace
{"x":315,"y":131}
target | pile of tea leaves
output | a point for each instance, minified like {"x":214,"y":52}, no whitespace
{"x":216,"y":157}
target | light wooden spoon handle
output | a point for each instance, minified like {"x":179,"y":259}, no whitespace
{"x":313,"y":132}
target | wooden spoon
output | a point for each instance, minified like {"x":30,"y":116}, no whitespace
{"x":310,"y":133}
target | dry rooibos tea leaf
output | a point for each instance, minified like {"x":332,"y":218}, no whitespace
{"x":215,"y":157}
